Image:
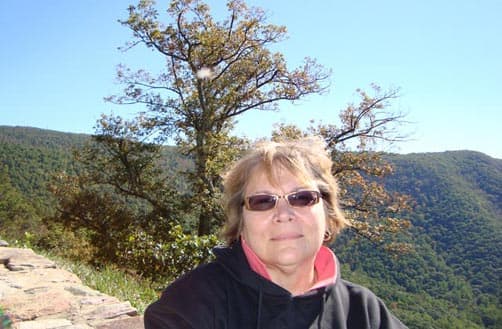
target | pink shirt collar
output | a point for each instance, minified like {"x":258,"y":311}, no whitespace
{"x":324,"y":264}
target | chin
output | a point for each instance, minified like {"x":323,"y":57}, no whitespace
{"x":291,"y":257}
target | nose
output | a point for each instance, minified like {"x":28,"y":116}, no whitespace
{"x":283,"y":211}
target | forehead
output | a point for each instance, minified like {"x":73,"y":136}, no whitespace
{"x":279,"y":177}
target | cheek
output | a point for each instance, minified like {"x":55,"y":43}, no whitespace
{"x":319,"y":218}
{"x":252,"y":224}
{"x":254,"y":234}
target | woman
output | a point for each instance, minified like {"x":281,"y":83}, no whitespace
{"x":276,"y":272}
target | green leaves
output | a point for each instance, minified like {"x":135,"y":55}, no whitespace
{"x":166,"y":259}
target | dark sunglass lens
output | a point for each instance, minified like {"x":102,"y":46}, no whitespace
{"x":261,"y":202}
{"x":303,"y":198}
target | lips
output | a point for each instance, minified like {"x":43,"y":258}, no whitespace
{"x":286,"y":236}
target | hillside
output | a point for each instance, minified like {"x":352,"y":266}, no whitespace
{"x":32,"y":155}
{"x":455,"y":269}
{"x":459,"y":207}
{"x":452,"y":279}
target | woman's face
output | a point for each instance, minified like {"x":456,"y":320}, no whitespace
{"x":285,"y":236}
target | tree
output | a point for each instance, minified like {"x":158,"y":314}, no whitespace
{"x":373,"y":211}
{"x":120,"y":189}
{"x":215,"y":71}
{"x":120,"y":157}
{"x":125,"y":206}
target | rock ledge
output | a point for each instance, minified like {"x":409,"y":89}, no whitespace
{"x":38,"y":295}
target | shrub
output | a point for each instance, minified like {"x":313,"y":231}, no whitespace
{"x":167,"y":259}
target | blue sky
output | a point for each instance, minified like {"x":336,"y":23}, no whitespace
{"x":58,"y":60}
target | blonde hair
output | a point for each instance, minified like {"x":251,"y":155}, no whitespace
{"x":305,"y":158}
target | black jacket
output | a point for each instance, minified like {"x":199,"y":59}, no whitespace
{"x":228,"y":294}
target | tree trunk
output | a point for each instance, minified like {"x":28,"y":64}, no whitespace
{"x":204,"y":223}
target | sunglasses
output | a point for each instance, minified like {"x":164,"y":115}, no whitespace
{"x":263,"y":202}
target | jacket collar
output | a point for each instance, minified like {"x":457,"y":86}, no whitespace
{"x":235,"y":262}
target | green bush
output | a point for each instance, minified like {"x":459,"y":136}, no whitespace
{"x":72,"y":245}
{"x":168,"y":259}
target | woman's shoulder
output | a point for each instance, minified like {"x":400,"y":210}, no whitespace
{"x":356,"y":289}
{"x":210,"y":279}
{"x":357,"y":294}
{"x":362,"y":304}
{"x":206,"y":276}
{"x":189,"y":301}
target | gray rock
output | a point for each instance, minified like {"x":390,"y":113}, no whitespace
{"x":45,"y":324}
{"x":38,"y":295}
{"x":128,"y":323}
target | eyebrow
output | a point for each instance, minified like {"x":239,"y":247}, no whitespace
{"x":296,"y":189}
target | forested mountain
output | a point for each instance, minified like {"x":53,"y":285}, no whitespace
{"x":451,"y":278}
{"x":458,"y":206}
{"x":454,"y":271}
{"x":31,"y":156}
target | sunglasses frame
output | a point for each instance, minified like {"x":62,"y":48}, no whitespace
{"x":277,"y":197}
